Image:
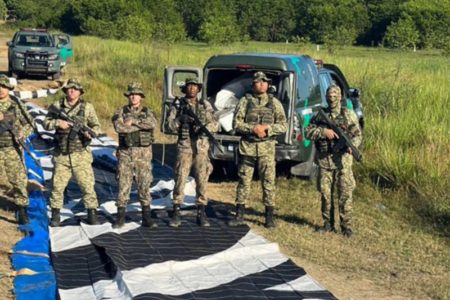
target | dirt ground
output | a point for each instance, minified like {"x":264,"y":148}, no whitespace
{"x":354,"y":288}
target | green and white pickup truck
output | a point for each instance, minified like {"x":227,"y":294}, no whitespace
{"x":36,"y":51}
{"x":298,"y":81}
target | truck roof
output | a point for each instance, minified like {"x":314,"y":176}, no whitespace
{"x":269,"y":61}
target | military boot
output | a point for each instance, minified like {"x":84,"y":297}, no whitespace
{"x":92,"y":216}
{"x":239,"y":218}
{"x":120,"y":220}
{"x":269,"y":223}
{"x":327,"y":227}
{"x":176,"y":217}
{"x":146,"y":218}
{"x":56,"y":218}
{"x":23,"y":215}
{"x":347,"y":231}
{"x":202,"y":219}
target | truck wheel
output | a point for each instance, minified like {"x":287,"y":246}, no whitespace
{"x":56,"y":75}
{"x":308,"y":168}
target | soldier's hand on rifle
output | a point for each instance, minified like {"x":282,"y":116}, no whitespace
{"x":184,"y":118}
{"x":64,"y":124}
{"x":349,"y":150}
{"x":87,"y":135}
{"x":19,"y":137}
{"x":330,"y":134}
{"x":1,"y":116}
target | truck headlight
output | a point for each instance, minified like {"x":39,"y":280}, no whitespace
{"x":19,"y":55}
{"x":53,"y":57}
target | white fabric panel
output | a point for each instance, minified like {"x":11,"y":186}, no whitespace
{"x":67,"y":237}
{"x":177,"y":278}
{"x":41,"y":93}
{"x":304,"y":283}
{"x":26,"y":95}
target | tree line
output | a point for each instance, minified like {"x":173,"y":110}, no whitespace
{"x":392,"y":23}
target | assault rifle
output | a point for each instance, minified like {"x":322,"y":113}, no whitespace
{"x":185,"y":109}
{"x":77,"y":125}
{"x":344,"y":140}
{"x":7,"y":125}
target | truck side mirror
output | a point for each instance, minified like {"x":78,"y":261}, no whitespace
{"x":9,"y":43}
{"x":354,"y":93}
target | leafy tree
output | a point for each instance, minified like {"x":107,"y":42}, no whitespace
{"x":266,"y":20}
{"x":381,"y":14}
{"x":168,"y":21}
{"x":136,"y":27}
{"x":341,"y":36}
{"x":193,"y":14}
{"x":3,"y":10}
{"x":432,"y":20}
{"x":323,"y":17}
{"x":39,"y":13}
{"x":402,"y":34}
{"x":219,"y":30}
{"x":220,"y":24}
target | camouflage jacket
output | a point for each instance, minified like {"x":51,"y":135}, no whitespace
{"x":193,"y":142}
{"x":138,"y":121}
{"x":315,"y":130}
{"x":90,"y":116}
{"x":279,"y":126}
{"x":22,"y":119}
{"x":141,"y":129}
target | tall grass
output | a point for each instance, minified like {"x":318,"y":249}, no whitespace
{"x":405,"y":96}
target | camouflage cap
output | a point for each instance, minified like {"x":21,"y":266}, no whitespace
{"x":189,"y":81}
{"x":73,"y":83}
{"x":261,"y":76}
{"x":4,"y":82}
{"x":134,"y":88}
{"x":334,"y":88}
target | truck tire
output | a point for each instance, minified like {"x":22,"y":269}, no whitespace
{"x":308,"y":168}
{"x":56,"y":75}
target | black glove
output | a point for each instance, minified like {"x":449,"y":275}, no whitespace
{"x":186,"y":119}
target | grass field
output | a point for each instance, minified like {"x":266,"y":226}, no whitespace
{"x":402,"y":203}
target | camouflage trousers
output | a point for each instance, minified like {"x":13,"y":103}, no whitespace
{"x":202,"y":168}
{"x":266,"y":171}
{"x":13,"y":176}
{"x":342,"y":178}
{"x":78,"y":164}
{"x":134,"y":162}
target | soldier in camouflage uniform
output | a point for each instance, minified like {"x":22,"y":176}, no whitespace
{"x":192,"y":148}
{"x":134,"y":124}
{"x":12,"y":169}
{"x":258,"y":118}
{"x":335,"y":167}
{"x":72,"y":155}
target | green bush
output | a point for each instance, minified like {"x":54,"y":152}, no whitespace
{"x":402,"y":34}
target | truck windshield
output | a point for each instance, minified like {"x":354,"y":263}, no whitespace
{"x":33,"y":40}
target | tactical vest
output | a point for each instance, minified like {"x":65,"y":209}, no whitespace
{"x":186,"y":130}
{"x":6,"y":137}
{"x":67,"y":141}
{"x":255,"y":115}
{"x":139,"y":138}
{"x":324,"y":145}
